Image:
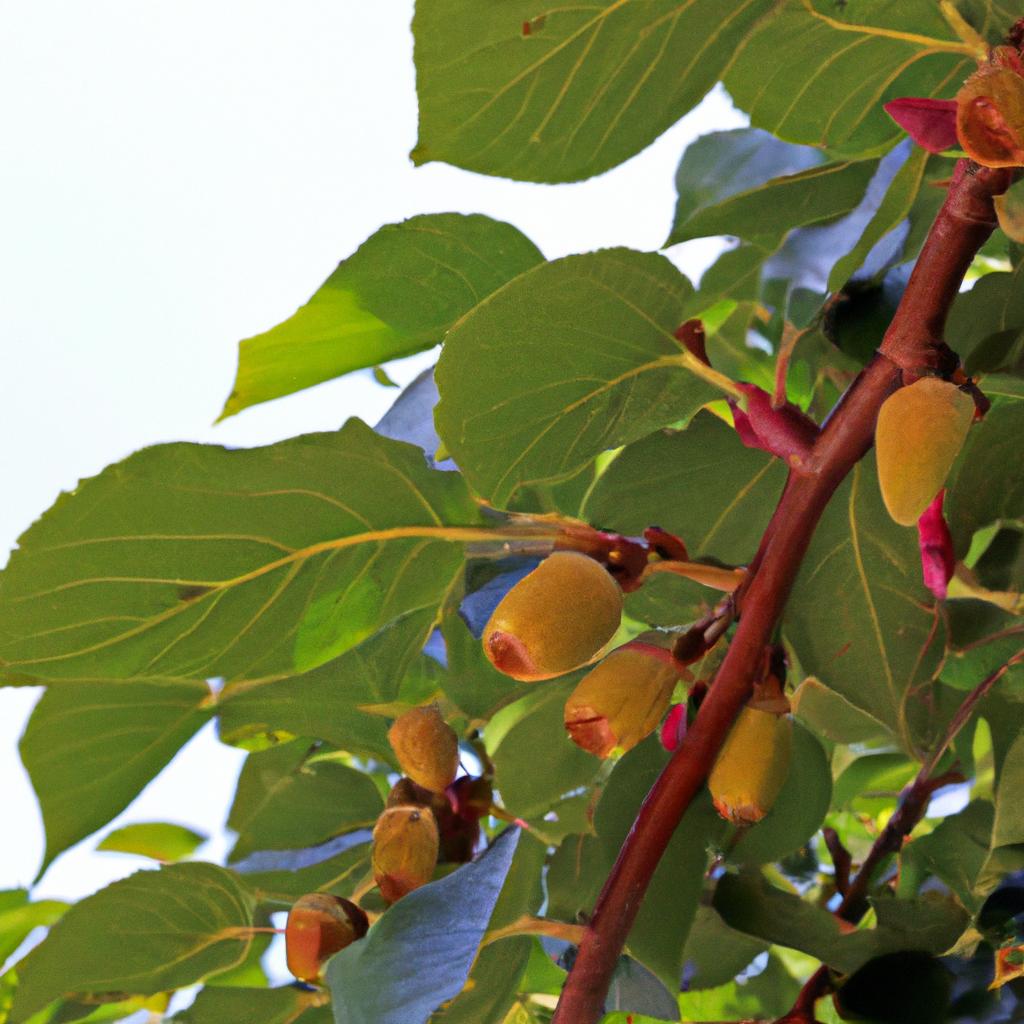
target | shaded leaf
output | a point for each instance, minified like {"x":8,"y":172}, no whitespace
{"x":286,"y":799}
{"x":255,"y":1006}
{"x":432,"y":933}
{"x":715,"y":953}
{"x":194,"y":561}
{"x":165,"y":929}
{"x":729,"y":490}
{"x":396,"y":295}
{"x":336,"y":866}
{"x":18,"y":917}
{"x":558,"y":94}
{"x":159,"y":840}
{"x":860,"y":619}
{"x":91,"y":749}
{"x":570,"y":359}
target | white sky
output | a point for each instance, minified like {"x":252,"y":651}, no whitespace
{"x":175,"y":176}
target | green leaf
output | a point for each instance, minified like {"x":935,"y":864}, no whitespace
{"x":287,"y":798}
{"x":18,"y":917}
{"x":324,"y":702}
{"x":91,"y":749}
{"x":173,"y":927}
{"x":535,"y":726}
{"x":715,"y":953}
{"x":749,"y":904}
{"x":719,"y":166}
{"x":994,"y":306}
{"x":420,"y":951}
{"x":570,"y":359}
{"x":817,"y":73}
{"x":860,"y":619}
{"x":985,"y":486}
{"x":159,"y":840}
{"x":337,"y":866}
{"x":769,"y":994}
{"x":880,"y":775}
{"x":798,"y":810}
{"x":558,"y":94}
{"x":831,"y":715}
{"x":396,"y":295}
{"x":193,"y":561}
{"x":1008,"y":828}
{"x":255,"y":1006}
{"x":701,"y":484}
{"x":764,"y":214}
{"x":895,"y":206}
{"x":982,"y":639}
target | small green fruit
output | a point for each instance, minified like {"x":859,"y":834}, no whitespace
{"x":555,"y":619}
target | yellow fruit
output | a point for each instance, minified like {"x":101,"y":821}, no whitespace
{"x":920,"y":430}
{"x":405,"y":846}
{"x":751,"y":766}
{"x":319,"y":925}
{"x":426,"y":747}
{"x":620,"y":702}
{"x":555,"y":619}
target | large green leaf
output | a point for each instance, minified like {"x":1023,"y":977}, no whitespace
{"x":990,"y":313}
{"x":570,"y":359}
{"x":193,"y":561}
{"x":987,"y":484}
{"x":397,"y":294}
{"x":152,"y":932}
{"x":255,"y":1006}
{"x":817,"y":72}
{"x":91,"y":749}
{"x":860,"y":619}
{"x":702,"y":484}
{"x":325,"y":701}
{"x":553,"y":93}
{"x":419,"y":953}
{"x":288,"y":798}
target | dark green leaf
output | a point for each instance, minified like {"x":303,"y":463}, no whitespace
{"x":768,"y":994}
{"x":91,"y":749}
{"x":18,"y":917}
{"x":194,"y":561}
{"x":982,"y":639}
{"x":159,"y":840}
{"x":254,"y":1006}
{"x":701,"y":484}
{"x":715,"y":953}
{"x":420,"y":952}
{"x":558,"y":94}
{"x":817,"y":73}
{"x":164,"y":929}
{"x":860,"y":619}
{"x":874,"y":775}
{"x":570,"y":359}
{"x":288,"y":798}
{"x":994,"y":306}
{"x":397,"y":294}
{"x":532,"y":728}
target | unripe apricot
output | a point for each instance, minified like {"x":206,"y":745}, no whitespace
{"x":555,"y":619}
{"x":751,"y":766}
{"x":319,"y":925}
{"x":426,"y":747}
{"x":620,"y":702}
{"x":405,"y":847}
{"x":920,"y":430}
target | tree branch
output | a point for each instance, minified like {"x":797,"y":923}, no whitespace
{"x":913,"y":342}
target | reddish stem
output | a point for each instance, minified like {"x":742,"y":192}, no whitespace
{"x":914,"y":340}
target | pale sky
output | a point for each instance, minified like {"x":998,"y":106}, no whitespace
{"x":176,"y":176}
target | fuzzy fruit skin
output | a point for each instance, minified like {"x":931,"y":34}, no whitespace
{"x":620,"y":702}
{"x":405,"y":848}
{"x":319,"y":925}
{"x":555,"y":619}
{"x":752,"y":766}
{"x":920,"y":430}
{"x":426,"y":747}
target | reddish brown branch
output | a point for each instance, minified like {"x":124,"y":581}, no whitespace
{"x":914,"y":340}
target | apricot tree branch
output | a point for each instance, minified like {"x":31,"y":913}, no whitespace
{"x":913,"y":342}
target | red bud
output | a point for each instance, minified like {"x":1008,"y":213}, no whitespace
{"x":930,"y":123}
{"x":936,"y":543}
{"x":673,"y":729}
{"x":785,"y":432}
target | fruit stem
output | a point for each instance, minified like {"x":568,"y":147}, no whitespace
{"x":913,"y":340}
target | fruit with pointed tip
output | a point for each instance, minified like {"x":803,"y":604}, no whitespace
{"x":405,"y":848}
{"x":752,"y":765}
{"x":920,"y":430}
{"x":426,"y":747}
{"x":319,"y":925}
{"x":555,"y":619}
